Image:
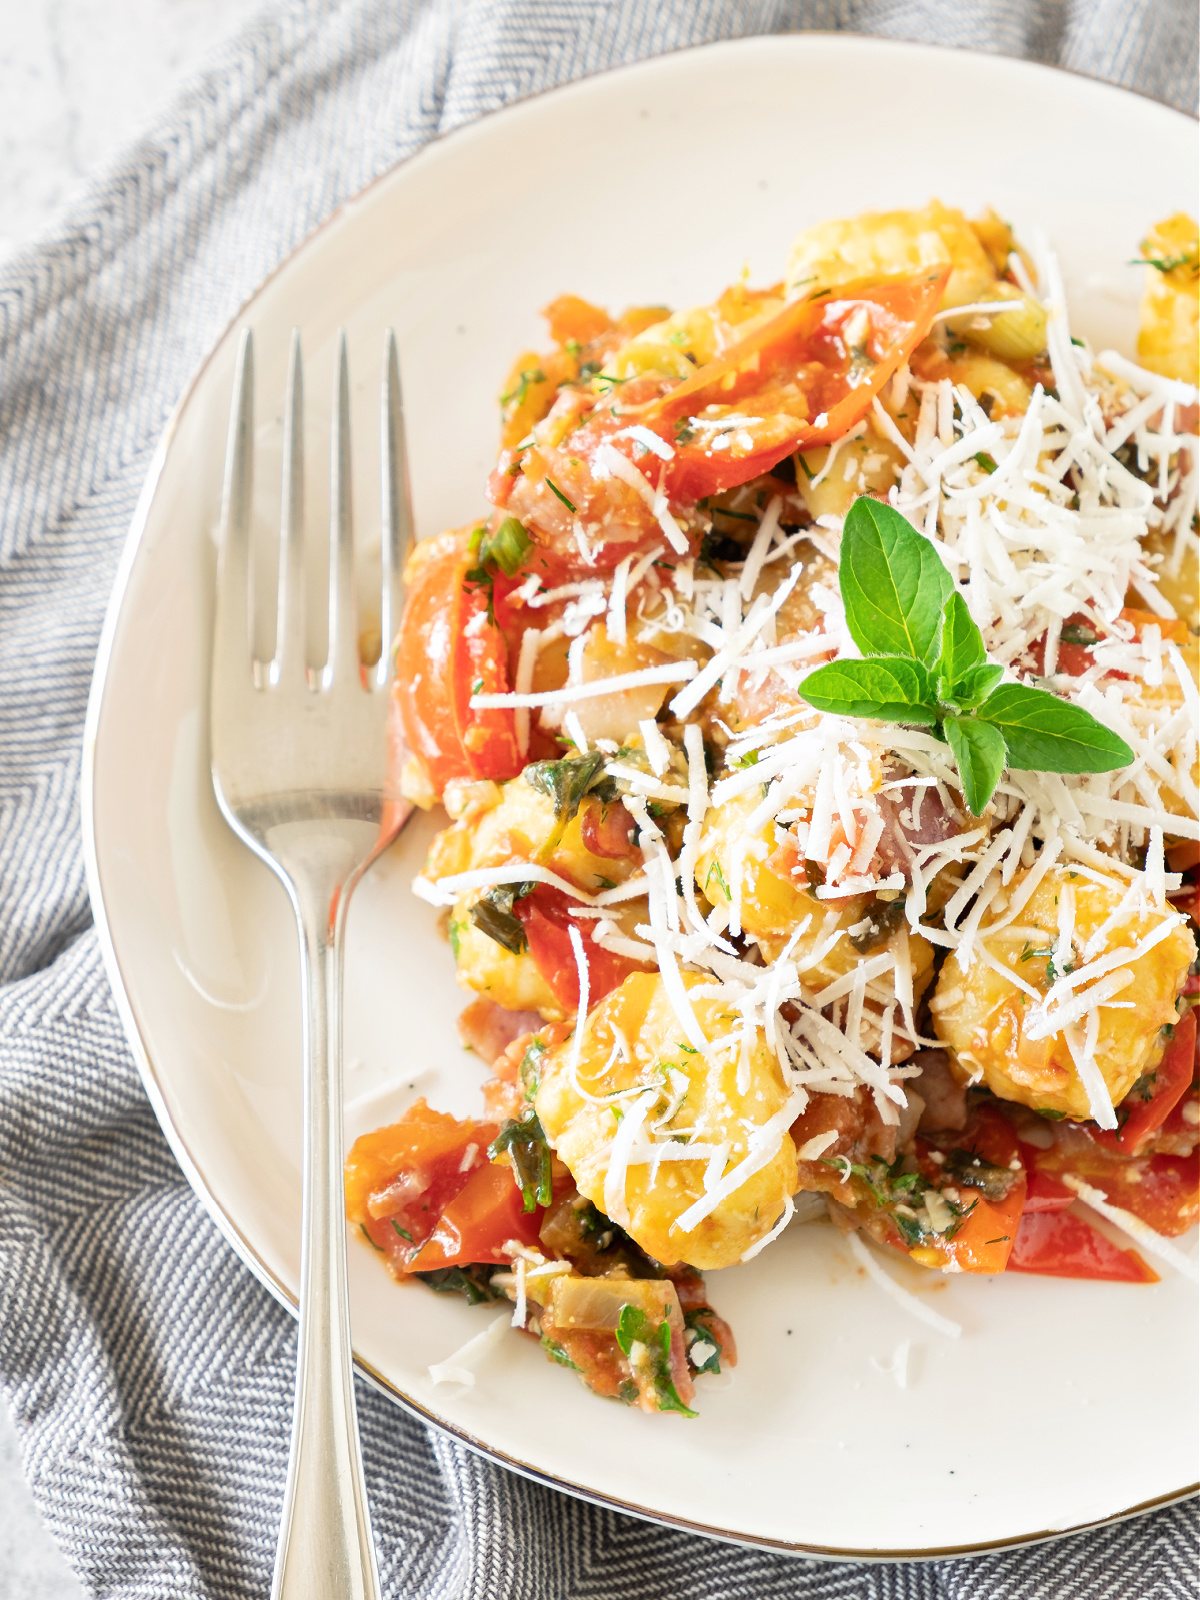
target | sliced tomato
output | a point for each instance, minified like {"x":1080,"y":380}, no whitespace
{"x":800,"y":380}
{"x":1172,"y":1079}
{"x":984,"y":1241}
{"x":1162,"y":1190}
{"x":476,"y":1225}
{"x":1059,"y":1244}
{"x":1074,"y":658}
{"x":398,"y":1179}
{"x":803,"y":378}
{"x":546,"y":917}
{"x":447,"y":650}
{"x":1166,"y":1195}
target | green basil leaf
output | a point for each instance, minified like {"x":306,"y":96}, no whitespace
{"x":978,"y":750}
{"x":973,"y":688}
{"x":893,"y":584}
{"x":962,"y":642}
{"x":891,"y":688}
{"x":500,"y":925}
{"x":532,"y":1167}
{"x":507,"y":547}
{"x":566,"y":781}
{"x":635,"y":1327}
{"x":1046,"y":733}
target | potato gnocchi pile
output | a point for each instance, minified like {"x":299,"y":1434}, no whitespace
{"x":815,"y":711}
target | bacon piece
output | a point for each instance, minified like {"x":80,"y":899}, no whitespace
{"x":913,"y":819}
{"x":945,"y":1099}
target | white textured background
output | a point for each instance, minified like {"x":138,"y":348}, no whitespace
{"x":77,"y":79}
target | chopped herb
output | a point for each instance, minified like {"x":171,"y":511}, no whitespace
{"x":1078,"y":633}
{"x":566,"y":782}
{"x":699,"y":1332}
{"x":985,"y":461}
{"x":1031,"y":953}
{"x":474,"y":1282}
{"x":605,"y":883}
{"x":750,"y":759}
{"x":970,"y":1170}
{"x":556,"y":491}
{"x":739,"y":516}
{"x":493,"y":914}
{"x":901,"y":1194}
{"x":882,"y":918}
{"x":635,"y":1327}
{"x":557,"y":1353}
{"x":530,"y":1070}
{"x":403,"y":1232}
{"x":724,"y":887}
{"x":516,"y":396}
{"x":501,"y":551}
{"x":1166,"y":263}
{"x":369,"y":1239}
{"x":526,"y":1144}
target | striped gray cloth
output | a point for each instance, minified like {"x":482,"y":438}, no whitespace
{"x":149,"y":1373}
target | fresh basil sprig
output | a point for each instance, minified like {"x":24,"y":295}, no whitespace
{"x":924,"y":663}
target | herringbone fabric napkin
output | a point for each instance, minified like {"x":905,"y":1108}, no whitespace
{"x":150,"y":1374}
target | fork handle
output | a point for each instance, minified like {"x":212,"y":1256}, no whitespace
{"x":325,"y":1550}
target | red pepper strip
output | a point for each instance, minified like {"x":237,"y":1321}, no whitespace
{"x":1172,"y":1079}
{"x":546,"y":917}
{"x":1044,"y":1193}
{"x":484,"y":1215}
{"x":1059,"y":1244}
{"x":1162,"y":1190}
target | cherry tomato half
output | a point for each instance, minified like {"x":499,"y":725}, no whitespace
{"x":546,"y":917}
{"x":1172,"y":1079}
{"x":475,"y":1226}
{"x":1162,"y":1190}
{"x":803,"y":378}
{"x":449,"y":649}
{"x":400,"y":1178}
{"x":1059,"y":1244}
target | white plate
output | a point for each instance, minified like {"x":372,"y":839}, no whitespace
{"x":652,"y":183}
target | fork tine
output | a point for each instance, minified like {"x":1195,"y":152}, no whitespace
{"x":290,"y":622}
{"x":397,"y":520}
{"x":232,"y":648}
{"x":343,"y":639}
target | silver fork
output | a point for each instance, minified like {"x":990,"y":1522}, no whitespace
{"x":298,"y":764}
